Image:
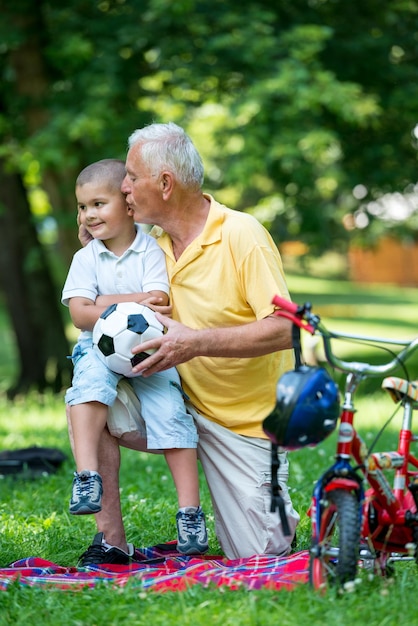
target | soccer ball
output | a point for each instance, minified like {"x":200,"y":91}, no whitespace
{"x":121,"y":327}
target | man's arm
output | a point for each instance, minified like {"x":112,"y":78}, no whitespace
{"x":182,"y":343}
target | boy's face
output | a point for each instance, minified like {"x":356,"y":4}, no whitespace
{"x":103,"y":211}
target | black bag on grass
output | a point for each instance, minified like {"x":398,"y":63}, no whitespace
{"x":34,"y":461}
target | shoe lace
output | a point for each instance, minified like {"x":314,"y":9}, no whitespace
{"x":85,"y":485}
{"x":92,"y":555}
{"x":190,"y":523}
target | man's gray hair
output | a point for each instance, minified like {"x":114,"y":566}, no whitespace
{"x":168,"y":147}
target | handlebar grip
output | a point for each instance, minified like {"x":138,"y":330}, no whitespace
{"x":296,"y":320}
{"x":286,"y":305}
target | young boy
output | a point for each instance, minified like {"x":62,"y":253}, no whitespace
{"x":123,"y":264}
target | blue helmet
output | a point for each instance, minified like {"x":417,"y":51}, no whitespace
{"x":307,"y":408}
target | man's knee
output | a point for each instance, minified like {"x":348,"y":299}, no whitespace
{"x":125,"y":420}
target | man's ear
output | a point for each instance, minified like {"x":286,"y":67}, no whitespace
{"x":166,"y":184}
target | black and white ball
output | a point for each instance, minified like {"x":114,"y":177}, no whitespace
{"x":121,"y":327}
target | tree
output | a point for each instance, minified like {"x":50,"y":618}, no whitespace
{"x":289,"y":104}
{"x":27,"y":285}
{"x":331,"y":107}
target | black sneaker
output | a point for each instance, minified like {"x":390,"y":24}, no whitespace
{"x":98,"y":554}
{"x":192,"y":537}
{"x":87,"y":493}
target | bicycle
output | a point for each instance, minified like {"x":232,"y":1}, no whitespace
{"x":358,"y":518}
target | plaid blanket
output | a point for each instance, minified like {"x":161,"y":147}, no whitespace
{"x":161,"y":568}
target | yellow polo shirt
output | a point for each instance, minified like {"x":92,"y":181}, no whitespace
{"x":225,"y":277}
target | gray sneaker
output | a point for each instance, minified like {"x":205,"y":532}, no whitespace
{"x":192,"y":537}
{"x":87,"y":493}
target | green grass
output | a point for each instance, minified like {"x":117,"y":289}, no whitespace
{"x":34,"y":519}
{"x":383,"y":310}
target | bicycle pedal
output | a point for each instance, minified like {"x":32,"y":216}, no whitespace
{"x":366,"y":551}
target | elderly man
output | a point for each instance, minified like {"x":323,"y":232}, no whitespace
{"x":228,"y":347}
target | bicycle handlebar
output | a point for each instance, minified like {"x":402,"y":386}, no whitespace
{"x":302,"y":316}
{"x":286,"y":305}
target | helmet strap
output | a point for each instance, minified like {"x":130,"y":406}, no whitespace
{"x":297,"y":345}
{"x":277,"y":501}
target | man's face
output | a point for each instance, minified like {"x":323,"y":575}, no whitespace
{"x":141,"y":188}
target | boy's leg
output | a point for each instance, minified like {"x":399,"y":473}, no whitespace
{"x":168,"y":424}
{"x":93,"y":389}
{"x":124,"y":418}
{"x":87,"y":423}
{"x":171,"y":428}
{"x":183,"y":467}
{"x":109,"y":520}
{"x":192,"y":536}
{"x":238,"y":473}
{"x":109,"y":544}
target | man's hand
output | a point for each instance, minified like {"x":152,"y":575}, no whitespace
{"x":84,"y":236}
{"x":181,"y":343}
{"x":176,"y":346}
{"x":152,"y":303}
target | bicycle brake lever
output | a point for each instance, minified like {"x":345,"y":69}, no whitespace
{"x":296,"y":320}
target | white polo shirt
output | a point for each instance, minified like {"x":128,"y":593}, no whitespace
{"x":96,"y":271}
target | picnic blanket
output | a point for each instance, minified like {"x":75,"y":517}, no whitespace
{"x":161,"y":568}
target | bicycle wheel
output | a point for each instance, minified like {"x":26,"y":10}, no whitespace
{"x":334,"y":554}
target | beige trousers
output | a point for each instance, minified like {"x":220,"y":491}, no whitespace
{"x":237,"y":470}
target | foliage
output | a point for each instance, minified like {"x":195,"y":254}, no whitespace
{"x":393,"y":213}
{"x":291,"y":103}
{"x":294,"y":106}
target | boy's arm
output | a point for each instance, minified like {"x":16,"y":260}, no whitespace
{"x":85,"y":313}
{"x":152,"y":297}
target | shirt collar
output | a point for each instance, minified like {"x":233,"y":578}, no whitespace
{"x":138,"y":244}
{"x":211,"y":232}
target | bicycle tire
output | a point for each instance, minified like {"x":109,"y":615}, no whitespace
{"x":334,"y":554}
{"x":415,"y":540}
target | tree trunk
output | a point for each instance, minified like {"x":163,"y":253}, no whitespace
{"x":32,"y":83}
{"x":31,"y":297}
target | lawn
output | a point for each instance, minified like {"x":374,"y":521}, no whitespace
{"x":34,"y":519}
